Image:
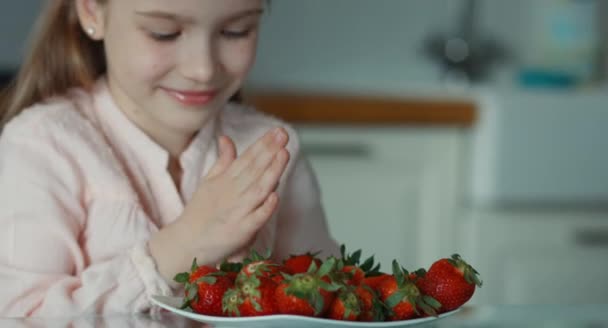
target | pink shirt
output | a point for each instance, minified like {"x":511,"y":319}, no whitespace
{"x":82,"y":189}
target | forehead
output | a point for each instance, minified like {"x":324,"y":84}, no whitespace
{"x":196,"y":10}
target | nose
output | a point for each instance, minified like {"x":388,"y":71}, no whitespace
{"x":200,"y":63}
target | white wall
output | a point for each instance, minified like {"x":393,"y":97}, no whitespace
{"x":371,"y":44}
{"x":368,"y":44}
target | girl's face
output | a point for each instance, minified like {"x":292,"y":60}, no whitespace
{"x":173,"y":64}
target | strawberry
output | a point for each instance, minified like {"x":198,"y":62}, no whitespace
{"x":309,"y":293}
{"x":300,"y":263}
{"x":451,"y":281}
{"x":417,"y":275}
{"x":355,"y":275}
{"x":375,"y":281}
{"x":231,"y":269}
{"x":204,"y":289}
{"x":346,"y":305}
{"x":261,"y":266}
{"x":403,"y":298}
{"x":253,"y":297}
{"x":371,"y":307}
{"x":349,"y":264}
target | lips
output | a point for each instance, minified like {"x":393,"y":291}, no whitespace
{"x":191,"y":97}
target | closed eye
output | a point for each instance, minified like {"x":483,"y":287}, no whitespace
{"x":236,"y":34}
{"x":164,"y":37}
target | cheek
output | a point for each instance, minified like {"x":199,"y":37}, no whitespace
{"x":153,"y":61}
{"x":134,"y":57}
{"x":238,"y":58}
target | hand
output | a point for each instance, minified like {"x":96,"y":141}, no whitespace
{"x":236,"y":198}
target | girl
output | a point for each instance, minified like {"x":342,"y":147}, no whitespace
{"x":123,"y":157}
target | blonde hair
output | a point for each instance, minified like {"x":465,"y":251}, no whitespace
{"x":61,"y":56}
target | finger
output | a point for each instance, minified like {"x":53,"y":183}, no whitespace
{"x":262,"y":214}
{"x":271,"y":177}
{"x":227,"y":154}
{"x":271,"y":141}
{"x":256,"y":168}
{"x":257,"y":193}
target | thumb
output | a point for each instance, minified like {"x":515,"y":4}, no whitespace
{"x":227,"y":154}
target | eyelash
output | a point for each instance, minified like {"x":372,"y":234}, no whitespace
{"x":233,"y":35}
{"x":230,"y":35}
{"x":165,"y":37}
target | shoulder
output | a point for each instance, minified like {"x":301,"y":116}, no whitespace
{"x":59,"y":119}
{"x":246,"y":124}
{"x":60,"y":133}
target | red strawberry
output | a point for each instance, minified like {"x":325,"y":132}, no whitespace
{"x":300,"y":263}
{"x":309,"y":293}
{"x":451,"y":282}
{"x":261,"y":266}
{"x":253,"y":297}
{"x":355,"y":275}
{"x":231,"y":269}
{"x":417,"y":275}
{"x":402,"y":297}
{"x":375,"y":281}
{"x":371,"y":307}
{"x":204,"y":289}
{"x":346,"y":306}
{"x":355,"y":272}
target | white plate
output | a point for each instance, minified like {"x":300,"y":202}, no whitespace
{"x":292,"y":321}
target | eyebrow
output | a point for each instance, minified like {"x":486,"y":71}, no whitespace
{"x":188,"y":19}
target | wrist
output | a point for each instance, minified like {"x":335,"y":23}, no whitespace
{"x":168,"y":253}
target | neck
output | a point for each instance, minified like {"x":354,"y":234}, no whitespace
{"x":172,"y":140}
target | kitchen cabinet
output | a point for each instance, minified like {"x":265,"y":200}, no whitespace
{"x":391,"y":191}
{"x":534,"y":256}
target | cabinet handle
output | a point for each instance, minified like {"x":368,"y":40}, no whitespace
{"x":591,"y":238}
{"x":349,"y":150}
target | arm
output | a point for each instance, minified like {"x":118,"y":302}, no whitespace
{"x":43,"y":269}
{"x":301,"y":225}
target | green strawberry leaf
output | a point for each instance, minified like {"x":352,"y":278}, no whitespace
{"x":395,"y":299}
{"x":431,"y":301}
{"x":355,"y":258}
{"x":231,"y":266}
{"x":185,"y":304}
{"x":347,"y":312}
{"x":333,"y":287}
{"x":208,"y":279}
{"x":312,"y":268}
{"x":192,"y":292}
{"x":255,"y":303}
{"x":327,"y":267}
{"x":427,"y":309}
{"x":398,"y":273}
{"x":368,"y":264}
{"x":182,"y":278}
{"x":317,"y":303}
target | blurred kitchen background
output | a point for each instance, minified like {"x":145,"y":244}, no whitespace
{"x":443,"y":126}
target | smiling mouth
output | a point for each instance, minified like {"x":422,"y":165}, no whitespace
{"x":191,"y":97}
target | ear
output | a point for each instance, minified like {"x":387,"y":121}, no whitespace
{"x":91,"y":15}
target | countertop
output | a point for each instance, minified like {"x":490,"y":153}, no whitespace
{"x":359,"y":108}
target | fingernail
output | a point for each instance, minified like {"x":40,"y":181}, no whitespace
{"x":279,"y":136}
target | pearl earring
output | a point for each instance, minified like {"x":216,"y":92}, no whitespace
{"x":90,"y":31}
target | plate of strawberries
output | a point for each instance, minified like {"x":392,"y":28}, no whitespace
{"x":306,"y":291}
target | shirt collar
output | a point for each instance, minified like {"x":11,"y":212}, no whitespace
{"x":128,"y":136}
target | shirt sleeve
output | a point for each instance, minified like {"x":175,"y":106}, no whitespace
{"x":301,"y":225}
{"x":44,"y":270}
